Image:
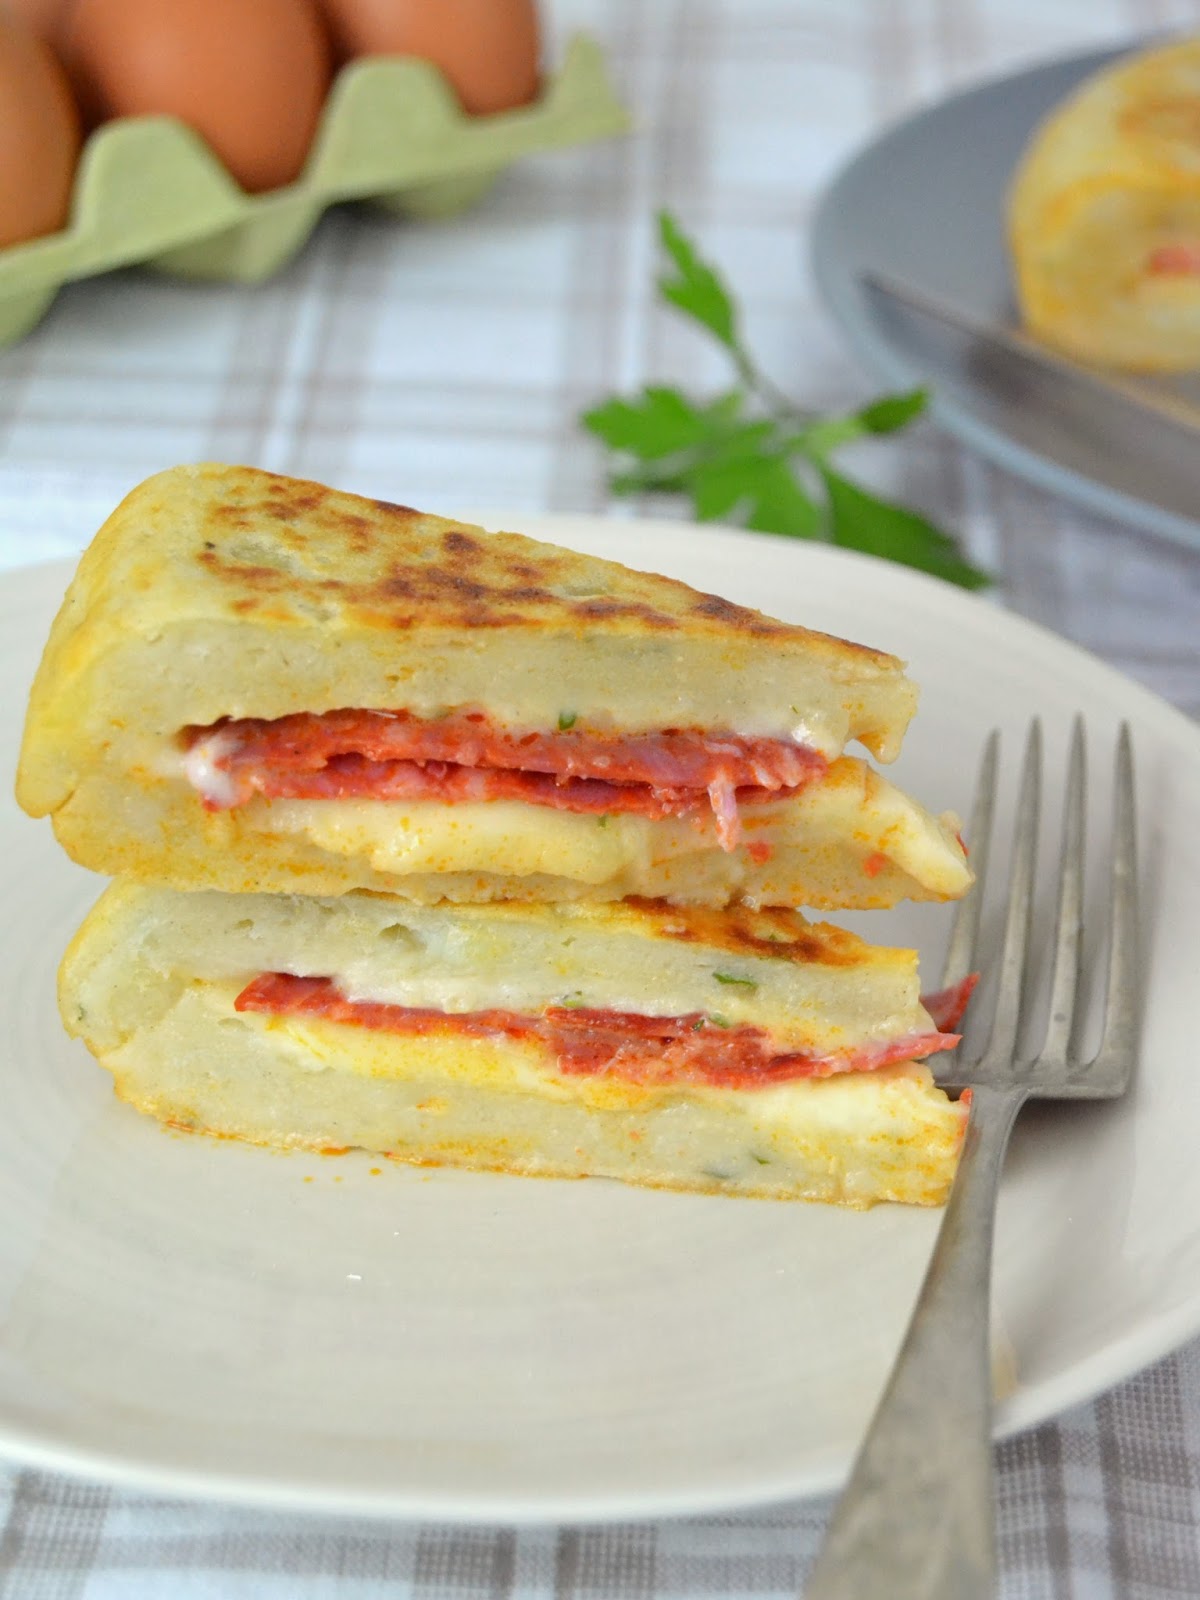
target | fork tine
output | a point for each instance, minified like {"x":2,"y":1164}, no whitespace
{"x":1118,"y":1046}
{"x":1064,"y":991}
{"x":1006,"y":1023}
{"x":964,"y":935}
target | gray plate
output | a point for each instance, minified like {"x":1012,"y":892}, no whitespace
{"x":924,"y":204}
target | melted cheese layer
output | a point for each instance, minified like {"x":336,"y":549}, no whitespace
{"x":852,"y":839}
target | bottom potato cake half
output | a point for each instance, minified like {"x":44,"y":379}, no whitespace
{"x":717,"y":1052}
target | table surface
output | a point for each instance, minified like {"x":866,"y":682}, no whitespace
{"x":444,"y":365}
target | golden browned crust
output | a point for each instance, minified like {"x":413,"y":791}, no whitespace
{"x":774,"y":931}
{"x":284,"y":547}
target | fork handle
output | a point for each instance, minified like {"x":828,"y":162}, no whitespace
{"x":915,"y":1520}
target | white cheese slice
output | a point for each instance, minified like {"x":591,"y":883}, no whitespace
{"x":850,"y":840}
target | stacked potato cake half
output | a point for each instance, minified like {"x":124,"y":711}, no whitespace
{"x":463,"y":848}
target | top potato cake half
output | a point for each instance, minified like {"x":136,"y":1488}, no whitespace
{"x":259,"y":683}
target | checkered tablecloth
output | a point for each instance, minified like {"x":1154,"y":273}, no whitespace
{"x":443,"y":365}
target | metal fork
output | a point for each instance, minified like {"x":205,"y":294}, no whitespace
{"x":915,"y":1519}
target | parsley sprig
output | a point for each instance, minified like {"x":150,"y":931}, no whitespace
{"x":751,"y":455}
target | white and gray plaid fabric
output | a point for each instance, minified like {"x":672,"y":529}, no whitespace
{"x":443,"y":365}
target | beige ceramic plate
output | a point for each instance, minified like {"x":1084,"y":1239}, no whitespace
{"x":199,"y":1317}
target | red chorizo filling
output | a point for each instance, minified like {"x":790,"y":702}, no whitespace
{"x":1179,"y":260}
{"x":392,"y":755}
{"x":692,"y":1049}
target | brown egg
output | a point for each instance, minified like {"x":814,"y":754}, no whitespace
{"x":248,"y":75}
{"x":488,"y":49}
{"x":45,"y":17}
{"x":39,"y":136}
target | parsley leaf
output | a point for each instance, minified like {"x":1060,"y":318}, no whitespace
{"x":781,"y":505}
{"x":750,"y":455}
{"x":894,"y":411}
{"x":657,"y":423}
{"x":862,"y":521}
{"x":566,"y":719}
{"x":729,"y":977}
{"x":760,"y":491}
{"x":696,"y":289}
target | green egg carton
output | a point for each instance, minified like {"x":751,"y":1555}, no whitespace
{"x":150,"y":191}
